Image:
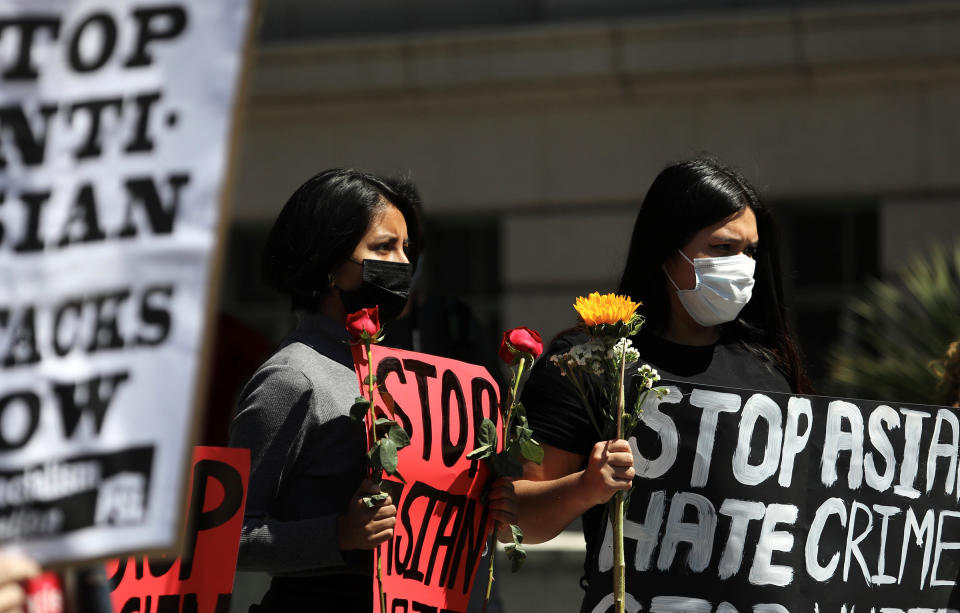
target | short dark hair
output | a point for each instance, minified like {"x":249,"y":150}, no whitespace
{"x":684,"y":198}
{"x":321,"y":224}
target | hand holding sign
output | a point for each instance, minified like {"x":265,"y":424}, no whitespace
{"x":441,"y":526}
{"x":385,"y":437}
{"x":13,"y":570}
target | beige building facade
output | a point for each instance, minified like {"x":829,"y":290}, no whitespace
{"x":543,"y":139}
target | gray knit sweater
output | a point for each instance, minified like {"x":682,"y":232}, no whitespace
{"x":306,"y":454}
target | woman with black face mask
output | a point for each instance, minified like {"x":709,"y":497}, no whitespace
{"x":344,"y":240}
{"x":703,"y":261}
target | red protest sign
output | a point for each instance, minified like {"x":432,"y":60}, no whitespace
{"x":201,"y":579}
{"x":441,"y":523}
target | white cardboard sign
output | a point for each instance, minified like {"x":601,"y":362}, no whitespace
{"x":115,"y":118}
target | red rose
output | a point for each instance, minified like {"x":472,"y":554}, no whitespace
{"x":364,"y":325}
{"x":520,"y":341}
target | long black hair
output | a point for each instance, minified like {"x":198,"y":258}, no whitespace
{"x":685,"y":198}
{"x":321,"y":224}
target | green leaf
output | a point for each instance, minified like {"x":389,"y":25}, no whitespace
{"x":531,"y":450}
{"x":523,"y":433}
{"x":487,"y":434}
{"x":382,"y":426}
{"x":398,"y":435}
{"x":480,"y":452}
{"x":359,"y":408}
{"x":517,"y":533}
{"x":374,"y":455}
{"x":517,"y":556}
{"x":520,"y":417}
{"x":397,"y":474}
{"x":388,"y":455}
{"x":375,"y":500}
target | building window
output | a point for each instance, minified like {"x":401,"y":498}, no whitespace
{"x":828,"y":251}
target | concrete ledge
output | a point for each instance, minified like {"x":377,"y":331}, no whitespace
{"x":625,"y":57}
{"x":568,"y":541}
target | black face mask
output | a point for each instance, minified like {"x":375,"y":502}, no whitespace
{"x":385,"y":285}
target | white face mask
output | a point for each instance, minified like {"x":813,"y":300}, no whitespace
{"x":724,"y":286}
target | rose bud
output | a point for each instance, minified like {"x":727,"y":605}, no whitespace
{"x":519,"y":341}
{"x":364,"y":325}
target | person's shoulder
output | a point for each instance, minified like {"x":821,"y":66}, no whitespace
{"x":566,"y":339}
{"x":301,"y":357}
{"x":277,"y":376}
{"x":294,"y":368}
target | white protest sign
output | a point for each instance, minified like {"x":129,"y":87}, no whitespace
{"x":115,"y":120}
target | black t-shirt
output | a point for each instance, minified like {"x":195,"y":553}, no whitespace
{"x":558,"y":417}
{"x":557,"y":414}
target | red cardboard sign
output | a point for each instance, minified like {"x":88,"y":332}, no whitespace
{"x":442,"y":526}
{"x":201,"y":579}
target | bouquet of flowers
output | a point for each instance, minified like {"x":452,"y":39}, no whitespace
{"x":385,"y":436}
{"x":519,"y":348}
{"x":609,"y":320}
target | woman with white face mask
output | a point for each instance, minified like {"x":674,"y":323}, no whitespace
{"x":703,"y":261}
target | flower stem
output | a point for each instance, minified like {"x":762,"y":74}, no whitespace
{"x":371,"y":437}
{"x":383,"y":596}
{"x":513,"y":400}
{"x":618,"y":560}
{"x":620,"y":399}
{"x":371,"y":431}
{"x":574,"y":376}
{"x":493,"y":551}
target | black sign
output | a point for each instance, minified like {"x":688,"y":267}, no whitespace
{"x":75,"y":493}
{"x":772,"y":503}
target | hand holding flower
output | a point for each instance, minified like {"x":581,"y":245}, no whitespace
{"x":609,"y":470}
{"x":363,"y":526}
{"x":520,"y":347}
{"x":609,"y":320}
{"x":502,"y":502}
{"x":385,"y":437}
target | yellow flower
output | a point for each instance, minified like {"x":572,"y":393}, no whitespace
{"x":606,"y":309}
